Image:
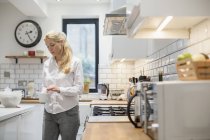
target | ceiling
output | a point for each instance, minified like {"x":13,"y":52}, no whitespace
{"x":71,"y":1}
{"x":77,"y":1}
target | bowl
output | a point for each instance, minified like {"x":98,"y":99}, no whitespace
{"x":10,"y":99}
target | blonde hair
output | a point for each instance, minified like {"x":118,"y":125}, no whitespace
{"x":64,"y":66}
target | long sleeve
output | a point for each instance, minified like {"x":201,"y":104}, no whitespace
{"x":77,"y":87}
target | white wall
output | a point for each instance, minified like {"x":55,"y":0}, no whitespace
{"x":10,"y":17}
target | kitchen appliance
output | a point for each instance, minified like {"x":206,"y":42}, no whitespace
{"x":103,"y":91}
{"x":177,"y":110}
{"x":112,"y":113}
{"x":114,"y":23}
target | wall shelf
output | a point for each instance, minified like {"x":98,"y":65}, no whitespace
{"x":17,"y":57}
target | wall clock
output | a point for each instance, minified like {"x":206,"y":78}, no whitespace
{"x":28,"y":33}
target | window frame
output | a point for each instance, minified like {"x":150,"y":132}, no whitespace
{"x":95,"y":21}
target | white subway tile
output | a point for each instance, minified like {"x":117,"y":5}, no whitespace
{"x":38,"y":80}
{"x":9,"y":81}
{"x":24,"y":66}
{"x":33,"y":76}
{"x":24,"y":76}
{"x":29,"y":71}
{"x":13,"y":85}
{"x":33,"y":66}
{"x":113,"y":86}
{"x":105,"y":71}
{"x":37,"y":71}
{"x":102,"y":76}
{"x":3,"y":86}
{"x":19,"y":71}
{"x":111,"y":76}
{"x":114,"y":71}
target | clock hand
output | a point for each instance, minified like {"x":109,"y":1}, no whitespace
{"x":28,"y":35}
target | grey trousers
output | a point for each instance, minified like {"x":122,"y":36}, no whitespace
{"x":65,"y":123}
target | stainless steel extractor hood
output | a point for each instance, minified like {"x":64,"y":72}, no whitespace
{"x":114,"y":23}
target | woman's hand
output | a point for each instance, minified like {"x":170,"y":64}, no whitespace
{"x":53,"y":88}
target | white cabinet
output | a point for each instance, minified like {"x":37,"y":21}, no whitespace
{"x":26,"y":126}
{"x":123,"y":47}
{"x":84,"y":110}
{"x":31,"y":124}
{"x":9,"y":129}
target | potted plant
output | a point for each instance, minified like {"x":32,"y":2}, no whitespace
{"x":87,"y":82}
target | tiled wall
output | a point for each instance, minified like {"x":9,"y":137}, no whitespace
{"x":160,"y":60}
{"x":165,"y":59}
{"x":18,"y":75}
{"x":116,"y":74}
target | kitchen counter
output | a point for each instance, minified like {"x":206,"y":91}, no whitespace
{"x":108,"y":102}
{"x":113,"y":131}
{"x":6,"y":113}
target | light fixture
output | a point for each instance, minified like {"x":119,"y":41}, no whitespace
{"x":58,"y":0}
{"x":98,"y":0}
{"x":122,"y":60}
{"x":164,"y":23}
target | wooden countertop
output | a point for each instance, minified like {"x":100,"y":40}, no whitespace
{"x":108,"y":102}
{"x":113,"y":131}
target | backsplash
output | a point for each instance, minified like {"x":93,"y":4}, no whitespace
{"x":116,"y":74}
{"x":164,"y":60}
{"x":18,"y":75}
{"x":160,"y":60}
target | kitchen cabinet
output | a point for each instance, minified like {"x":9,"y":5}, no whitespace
{"x":31,"y":124}
{"x":84,"y":110}
{"x":147,"y":15}
{"x":9,"y":129}
{"x":25,"y":126}
{"x":123,"y":47}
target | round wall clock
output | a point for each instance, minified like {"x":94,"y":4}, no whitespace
{"x":28,"y":33}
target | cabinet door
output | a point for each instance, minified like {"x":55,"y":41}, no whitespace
{"x":9,"y":129}
{"x":27,"y":127}
{"x":123,"y":47}
{"x":84,"y":110}
{"x":31,"y":124}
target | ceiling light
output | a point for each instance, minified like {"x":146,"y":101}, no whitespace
{"x":58,"y":0}
{"x":164,"y":23}
{"x":122,"y":60}
{"x":98,"y":0}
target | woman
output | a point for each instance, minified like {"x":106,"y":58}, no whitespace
{"x":63,"y":81}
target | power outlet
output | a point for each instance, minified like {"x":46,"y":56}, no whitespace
{"x":22,"y":83}
{"x":6,"y":74}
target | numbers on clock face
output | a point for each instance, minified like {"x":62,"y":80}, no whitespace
{"x":27,"y":33}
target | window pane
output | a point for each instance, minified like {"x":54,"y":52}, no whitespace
{"x":82,"y":41}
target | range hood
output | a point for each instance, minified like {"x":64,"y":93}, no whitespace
{"x":114,"y":23}
{"x":147,"y":15}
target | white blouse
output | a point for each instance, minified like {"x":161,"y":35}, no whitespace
{"x":71,"y":85}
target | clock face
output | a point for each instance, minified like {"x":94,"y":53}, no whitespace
{"x":28,"y":33}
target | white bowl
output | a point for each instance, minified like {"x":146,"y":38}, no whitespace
{"x":10,"y":99}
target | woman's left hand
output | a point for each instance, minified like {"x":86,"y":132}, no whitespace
{"x":53,"y":88}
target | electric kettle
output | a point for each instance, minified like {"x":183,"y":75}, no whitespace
{"x":103,"y":91}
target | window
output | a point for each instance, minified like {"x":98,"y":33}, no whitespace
{"x":83,"y":37}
